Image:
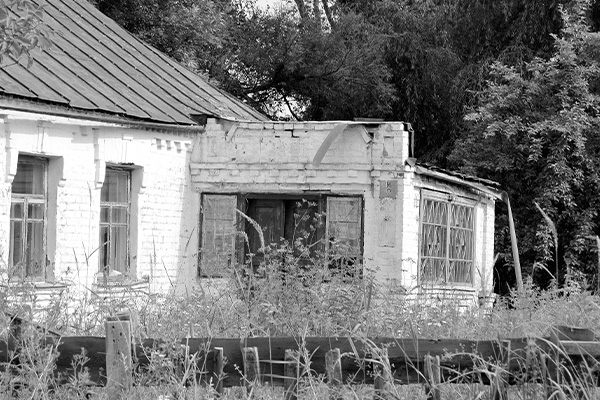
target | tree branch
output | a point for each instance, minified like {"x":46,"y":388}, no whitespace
{"x":317,"y":14}
{"x":328,"y":14}
{"x":301,"y":9}
{"x":289,"y":106}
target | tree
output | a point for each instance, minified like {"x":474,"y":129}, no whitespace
{"x":21,"y":30}
{"x":536,"y":132}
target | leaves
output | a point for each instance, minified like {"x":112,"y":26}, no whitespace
{"x":22,"y":30}
{"x":534,"y":132}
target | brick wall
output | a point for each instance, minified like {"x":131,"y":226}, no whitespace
{"x":164,"y":208}
{"x":365,"y":159}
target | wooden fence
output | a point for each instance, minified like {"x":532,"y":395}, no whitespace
{"x":285,"y":361}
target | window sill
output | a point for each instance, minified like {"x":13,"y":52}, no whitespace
{"x":459,"y":287}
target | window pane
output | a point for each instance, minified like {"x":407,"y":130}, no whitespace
{"x":16,"y":242}
{"x":16,"y":210}
{"x":435,"y":212}
{"x":118,"y":251}
{"x":35,"y":249}
{"x":115,"y":187}
{"x":460,"y":272}
{"x":104,"y":214}
{"x":104,"y":241}
{"x":35,"y":211}
{"x":462,"y":216}
{"x":119,"y":215}
{"x":433,"y":241}
{"x":344,"y":228}
{"x":432,"y":270}
{"x":29,"y":178}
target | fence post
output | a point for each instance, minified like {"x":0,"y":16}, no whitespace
{"x":383,"y":375}
{"x":333,"y":368}
{"x":215,"y":369}
{"x":291,"y":371}
{"x":500,"y":381}
{"x":118,"y":356}
{"x":251,"y":366}
{"x":433,"y":376}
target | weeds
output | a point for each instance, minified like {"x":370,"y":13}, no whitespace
{"x":300,"y":292}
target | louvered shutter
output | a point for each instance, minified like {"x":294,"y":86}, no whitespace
{"x":218,"y":234}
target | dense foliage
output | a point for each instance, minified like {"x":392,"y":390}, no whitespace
{"x":522,"y":72}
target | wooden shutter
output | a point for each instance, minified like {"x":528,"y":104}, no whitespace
{"x":218,"y":234}
{"x":344,"y":226}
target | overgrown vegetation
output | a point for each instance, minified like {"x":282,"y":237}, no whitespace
{"x":295,"y":307}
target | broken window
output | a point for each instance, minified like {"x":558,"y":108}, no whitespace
{"x":27,"y":257}
{"x":266,"y":221}
{"x":447,"y":240}
{"x":115,"y":203}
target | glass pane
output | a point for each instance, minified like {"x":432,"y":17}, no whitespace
{"x":462,"y":216}
{"x":16,"y":210}
{"x":118,"y":252}
{"x":119,"y":215}
{"x":460,"y":271}
{"x":432,"y":270}
{"x":103,"y":250}
{"x":433,"y":241}
{"x":16,"y":242}
{"x":35,"y":249}
{"x":461,"y":244}
{"x":434,"y":212}
{"x":35,"y":211}
{"x":29,"y":178}
{"x":104,"y":214}
{"x":115,"y":187}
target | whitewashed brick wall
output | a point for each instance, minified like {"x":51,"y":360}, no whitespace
{"x":276,"y":157}
{"x":164,"y":240}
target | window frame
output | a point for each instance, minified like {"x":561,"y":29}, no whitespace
{"x":449,"y":200}
{"x":111,"y":205}
{"x":25,"y":200}
{"x":241,"y":225}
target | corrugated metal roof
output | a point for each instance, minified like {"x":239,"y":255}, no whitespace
{"x":464,"y":177}
{"x":97,"y":66}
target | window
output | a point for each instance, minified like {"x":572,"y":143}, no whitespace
{"x":302,"y":221}
{"x":27,"y":258}
{"x":447,"y":240}
{"x":115,"y":205}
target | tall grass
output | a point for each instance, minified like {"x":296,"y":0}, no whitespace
{"x":295,"y":293}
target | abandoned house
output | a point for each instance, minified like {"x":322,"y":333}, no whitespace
{"x":122,"y":169}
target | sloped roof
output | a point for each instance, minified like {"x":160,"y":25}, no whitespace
{"x":95,"y":66}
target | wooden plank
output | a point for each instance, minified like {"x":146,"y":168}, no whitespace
{"x":291,"y":371}
{"x":433,"y":376}
{"x":333,"y":366}
{"x":251,"y":366}
{"x":384,"y":381}
{"x":215,"y":369}
{"x":575,"y":348}
{"x":118,"y":358}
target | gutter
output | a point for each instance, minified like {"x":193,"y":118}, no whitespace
{"x":74,"y":118}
